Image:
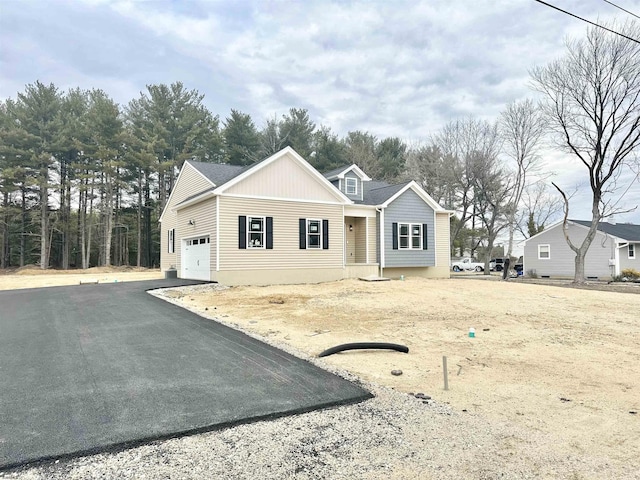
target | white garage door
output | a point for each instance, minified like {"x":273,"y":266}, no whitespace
{"x":195,"y":259}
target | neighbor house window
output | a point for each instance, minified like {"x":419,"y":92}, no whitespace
{"x":351,"y":186}
{"x":255,"y":232}
{"x":314,"y":234}
{"x":632,"y":251}
{"x":411,"y":236}
{"x":171,"y":244}
{"x":544,"y":252}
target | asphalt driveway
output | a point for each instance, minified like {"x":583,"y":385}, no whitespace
{"x":95,"y":367}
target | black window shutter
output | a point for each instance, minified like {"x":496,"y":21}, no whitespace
{"x":303,"y":233}
{"x":173,"y":240}
{"x":269,"y":233}
{"x":242,"y":232}
{"x":425,"y":243}
{"x":325,"y":234}
{"x":394,"y":235}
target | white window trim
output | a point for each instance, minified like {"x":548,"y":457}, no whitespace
{"x":355,"y":186}
{"x":319,"y":233}
{"x":548,"y":251}
{"x":263,"y":244}
{"x":630,"y":247}
{"x":410,"y":236}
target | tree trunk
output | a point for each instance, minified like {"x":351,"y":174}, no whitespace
{"x":512,"y":228}
{"x":23,"y":224}
{"x":579,"y":265}
{"x":44,"y":220}
{"x":65,"y":212}
{"x":108,"y":219}
{"x":139,"y":232}
{"x":82,"y":219}
{"x":90,"y":225}
{"x":4,"y":260}
{"x":147,"y":220}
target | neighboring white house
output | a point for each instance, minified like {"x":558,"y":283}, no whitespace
{"x":282,"y":221}
{"x":615,"y":247}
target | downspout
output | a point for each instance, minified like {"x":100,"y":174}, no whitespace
{"x":344,"y":242}
{"x":366,"y":239}
{"x":217,"y":234}
{"x":435,"y":236}
{"x":381,"y":212}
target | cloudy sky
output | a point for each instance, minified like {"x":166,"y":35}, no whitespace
{"x":393,"y":68}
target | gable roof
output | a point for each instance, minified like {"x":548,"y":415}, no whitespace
{"x":218,"y":173}
{"x":381,"y":192}
{"x":340,"y":172}
{"x":374,"y":193}
{"x":624,"y":231}
{"x":287,"y":151}
{"x":628,"y":232}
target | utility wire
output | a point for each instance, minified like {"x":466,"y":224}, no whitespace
{"x":588,"y":21}
{"x":623,"y":9}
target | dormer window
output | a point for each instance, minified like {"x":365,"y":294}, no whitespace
{"x":351,"y":186}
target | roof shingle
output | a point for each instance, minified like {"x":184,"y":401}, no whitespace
{"x":626,"y":231}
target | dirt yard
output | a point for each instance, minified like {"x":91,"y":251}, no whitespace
{"x":559,"y":361}
{"x":33,"y":277}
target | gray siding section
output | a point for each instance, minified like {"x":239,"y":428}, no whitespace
{"x":358,"y":196}
{"x":409,"y":208}
{"x":561,"y":262}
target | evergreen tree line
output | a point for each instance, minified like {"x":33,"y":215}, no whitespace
{"x":84,"y":180}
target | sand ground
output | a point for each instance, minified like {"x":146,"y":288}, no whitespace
{"x":560,"y":361}
{"x":33,"y":277}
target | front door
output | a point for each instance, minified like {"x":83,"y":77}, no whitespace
{"x":350,"y":240}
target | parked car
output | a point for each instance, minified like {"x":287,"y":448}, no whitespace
{"x":496,"y":264}
{"x":467,"y":263}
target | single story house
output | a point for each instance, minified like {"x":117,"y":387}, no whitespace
{"x":281,"y":221}
{"x":615,"y":248}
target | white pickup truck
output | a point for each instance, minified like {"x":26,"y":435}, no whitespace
{"x":467,"y":263}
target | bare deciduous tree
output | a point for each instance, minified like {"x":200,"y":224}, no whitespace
{"x":522,"y":129}
{"x":461,"y":144}
{"x":539,"y":207}
{"x":592,"y":101}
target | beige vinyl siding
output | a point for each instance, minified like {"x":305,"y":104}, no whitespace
{"x":284,"y":178}
{"x":286,"y":252}
{"x":191,"y":182}
{"x":361,"y":240}
{"x":443,"y":254}
{"x":373,"y":240}
{"x":168,"y":260}
{"x":204,"y":216}
{"x":425,"y":272}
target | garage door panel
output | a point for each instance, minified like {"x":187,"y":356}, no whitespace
{"x":196,"y":256}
